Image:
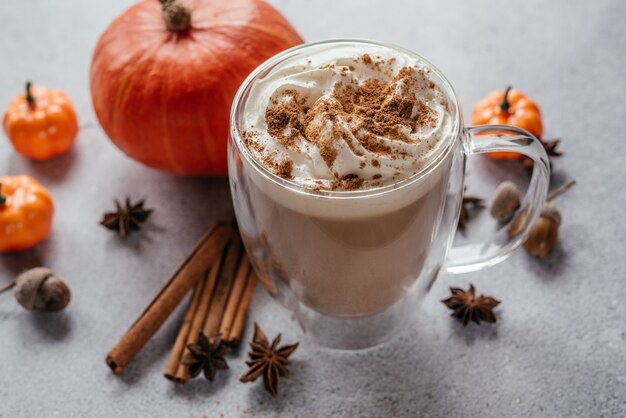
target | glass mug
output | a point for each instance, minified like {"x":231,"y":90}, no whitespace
{"x":352,"y":265}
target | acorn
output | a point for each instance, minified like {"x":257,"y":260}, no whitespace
{"x":39,"y":289}
{"x":506,"y":201}
{"x":544,"y":236}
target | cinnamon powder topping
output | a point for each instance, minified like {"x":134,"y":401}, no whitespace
{"x":363,"y":115}
{"x":382,"y":109}
{"x":349,"y":182}
{"x":283,"y":118}
{"x":283,"y":168}
{"x":251,"y":141}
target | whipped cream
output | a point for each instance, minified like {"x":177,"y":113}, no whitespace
{"x":346,"y":118}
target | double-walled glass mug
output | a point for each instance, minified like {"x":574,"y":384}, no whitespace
{"x":352,"y":265}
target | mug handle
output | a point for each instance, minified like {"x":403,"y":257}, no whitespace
{"x":475,"y":256}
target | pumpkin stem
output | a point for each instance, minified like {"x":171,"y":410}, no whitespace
{"x":3,"y":198}
{"x":505,"y":102}
{"x":177,"y":16}
{"x":10,"y":286}
{"x":29,"y":94}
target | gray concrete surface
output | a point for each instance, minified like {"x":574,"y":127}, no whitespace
{"x":558,"y":349}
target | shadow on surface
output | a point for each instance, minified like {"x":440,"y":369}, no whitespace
{"x":471,"y":333}
{"x":136,"y":241}
{"x":193,"y":198}
{"x":51,"y":326}
{"x":17,"y":262}
{"x":550,"y":267}
{"x":54,"y":170}
{"x":200,"y":387}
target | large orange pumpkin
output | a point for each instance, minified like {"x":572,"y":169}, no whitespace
{"x":164,"y":75}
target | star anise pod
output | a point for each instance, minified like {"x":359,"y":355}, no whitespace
{"x":208,"y":355}
{"x":268,"y":360}
{"x":126,"y":218}
{"x":468,"y":307}
{"x":467,"y":206}
{"x":550,"y":147}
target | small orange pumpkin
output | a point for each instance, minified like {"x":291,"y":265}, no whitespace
{"x":41,"y":123}
{"x":26,"y":211}
{"x":509,"y":107}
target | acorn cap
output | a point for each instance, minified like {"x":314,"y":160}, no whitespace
{"x":506,"y":200}
{"x":550,"y":211}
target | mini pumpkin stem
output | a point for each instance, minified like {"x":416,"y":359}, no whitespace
{"x":177,"y":16}
{"x":29,"y":94}
{"x":505,"y":105}
{"x":10,"y":286}
{"x":3,"y":198}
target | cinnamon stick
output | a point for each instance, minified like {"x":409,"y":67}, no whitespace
{"x":183,"y":333}
{"x":220,"y":306}
{"x":208,"y":249}
{"x":234,"y":298}
{"x":242,"y":309}
{"x":182,"y":374}
{"x":222,"y":289}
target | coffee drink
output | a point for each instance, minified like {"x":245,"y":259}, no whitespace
{"x":349,"y":176}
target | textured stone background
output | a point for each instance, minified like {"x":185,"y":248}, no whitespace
{"x":558,"y":349}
